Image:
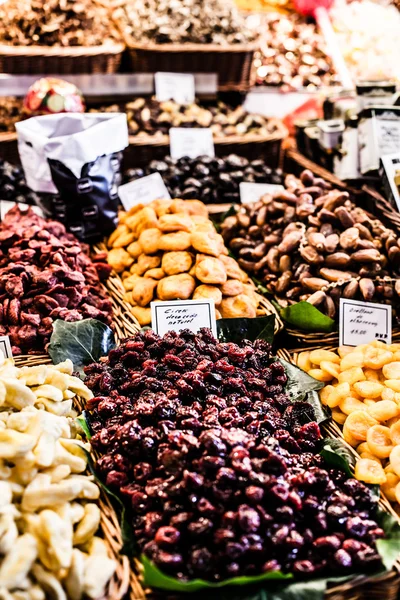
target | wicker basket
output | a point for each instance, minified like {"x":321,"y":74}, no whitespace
{"x":57,"y":60}
{"x":142,"y":150}
{"x":233,"y":64}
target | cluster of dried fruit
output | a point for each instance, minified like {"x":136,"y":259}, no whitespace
{"x":182,"y":21}
{"x":363,"y":393}
{"x":293,"y":54}
{"x":11,"y":111}
{"x":170,"y":250}
{"x":45,"y":274}
{"x":151,"y":117}
{"x":311,"y":242}
{"x":183,"y":426}
{"x":55,"y":23}
{"x":211,"y":180}
{"x":49,"y":515}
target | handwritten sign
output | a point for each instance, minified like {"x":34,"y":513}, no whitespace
{"x":5,"y":346}
{"x":252,"y":192}
{"x":363,"y":322}
{"x":175,"y":86}
{"x":143,"y":191}
{"x":191,"y":141}
{"x":183,"y":314}
{"x":6,"y":205}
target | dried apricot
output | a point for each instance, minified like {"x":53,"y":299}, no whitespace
{"x":350,"y":404}
{"x":369,"y":471}
{"x":388,"y":488}
{"x":394,"y":459}
{"x":303,"y":361}
{"x":376,"y":358}
{"x":395,"y":433}
{"x":384,"y":410}
{"x":330,"y":367}
{"x":337,"y":394}
{"x":391,"y":370}
{"x":317,"y":356}
{"x":379,"y":441}
{"x":353,"y":359}
{"x":371,"y":375}
{"x":393,"y":384}
{"x":338,"y":416}
{"x":352,"y":375}
{"x":358,"y":424}
{"x":369,"y":389}
{"x":320,"y":375}
{"x":344,"y":350}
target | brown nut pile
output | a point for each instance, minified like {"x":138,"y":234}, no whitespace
{"x":150,"y":117}
{"x":182,"y":21}
{"x":170,"y":250}
{"x":293,"y":54}
{"x":311,"y":242}
{"x":55,"y":23}
{"x":45,"y":274}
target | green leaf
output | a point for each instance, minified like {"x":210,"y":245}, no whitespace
{"x":306,"y":317}
{"x":154,"y":578}
{"x":84,"y":423}
{"x":83,"y":342}
{"x":389,"y":547}
{"x":300,"y":386}
{"x":337,"y":455}
{"x":235,"y":330}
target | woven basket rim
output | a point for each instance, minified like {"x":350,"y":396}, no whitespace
{"x":192,"y":47}
{"x":279,"y":134}
{"x":109,"y":47}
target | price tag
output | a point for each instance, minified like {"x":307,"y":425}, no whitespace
{"x":191,"y":141}
{"x":6,"y":205}
{"x":175,"y":86}
{"x":251,"y":192}
{"x":183,"y":314}
{"x":143,"y":191}
{"x":5,"y":346}
{"x":363,"y":322}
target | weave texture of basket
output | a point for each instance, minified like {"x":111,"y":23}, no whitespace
{"x":57,"y":60}
{"x":233,"y":64}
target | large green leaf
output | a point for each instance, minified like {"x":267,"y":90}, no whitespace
{"x":337,"y":455}
{"x":83,"y":342}
{"x":306,"y":317}
{"x":154,"y":578}
{"x":389,"y":547}
{"x":235,"y":330}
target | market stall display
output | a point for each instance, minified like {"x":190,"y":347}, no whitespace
{"x":362,"y":390}
{"x":170,"y":250}
{"x":49,"y":504}
{"x":313,"y":243}
{"x":293,"y":54}
{"x":210,"y":180}
{"x":57,"y":37}
{"x":11,"y":111}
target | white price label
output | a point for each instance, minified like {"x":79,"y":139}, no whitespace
{"x":175,"y":86}
{"x":5,"y":346}
{"x":252,"y":192}
{"x":143,"y":191}
{"x":6,"y":205}
{"x":191,"y":141}
{"x":363,"y":322}
{"x":183,"y":314}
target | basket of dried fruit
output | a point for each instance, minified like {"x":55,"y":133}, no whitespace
{"x":207,"y":36}
{"x":58,"y":37}
{"x":205,"y":482}
{"x":311,"y":245}
{"x":59,"y":531}
{"x":169,"y":250}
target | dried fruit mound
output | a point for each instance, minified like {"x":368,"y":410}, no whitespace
{"x":183,"y":425}
{"x":45,"y":274}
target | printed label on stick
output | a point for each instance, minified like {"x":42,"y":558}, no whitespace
{"x":191,"y":141}
{"x":5,"y":346}
{"x":175,"y":86}
{"x":143,"y":191}
{"x":183,"y":314}
{"x":252,"y":192}
{"x":363,"y":322}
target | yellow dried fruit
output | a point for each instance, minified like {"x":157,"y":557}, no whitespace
{"x":379,"y":441}
{"x":369,"y":471}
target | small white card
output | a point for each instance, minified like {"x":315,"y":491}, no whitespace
{"x":363,"y":322}
{"x":175,"y":86}
{"x":191,"y":141}
{"x":252,"y":192}
{"x":143,"y":191}
{"x":176,"y":315}
{"x":5,"y":346}
{"x":6,"y":205}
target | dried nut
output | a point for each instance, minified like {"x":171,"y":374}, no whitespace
{"x":326,"y":229}
{"x":307,"y":178}
{"x":286,"y":196}
{"x":283,"y":282}
{"x":367,"y":288}
{"x":259,"y":251}
{"x":365,"y":233}
{"x":243,"y":219}
{"x":334,"y":199}
{"x":317,"y":240}
{"x":311,"y":255}
{"x":290,"y":242}
{"x":334,"y":275}
{"x":314,"y":283}
{"x":273,"y":259}
{"x":366,"y":255}
{"x":350,"y":289}
{"x":326,"y":216}
{"x":331,"y":242}
{"x":285,"y":263}
{"x":261,"y":216}
{"x":238,"y":243}
{"x":366,"y":244}
{"x":270,"y":240}
{"x":349,"y":238}
{"x":394,"y":254}
{"x":330,"y":307}
{"x":344,"y":217}
{"x":316,"y":298}
{"x":338,"y":259}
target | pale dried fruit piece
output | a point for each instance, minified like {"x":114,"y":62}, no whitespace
{"x":320,"y":375}
{"x":395,"y":433}
{"x":384,"y":410}
{"x":369,"y":389}
{"x":352,"y":375}
{"x":348,"y":437}
{"x":316,"y":356}
{"x":369,"y":471}
{"x":303,"y":361}
{"x":372,"y":375}
{"x":344,"y":350}
{"x":330,"y":367}
{"x":391,"y":370}
{"x":388,"y":488}
{"x":394,"y":459}
{"x":358,"y":423}
{"x":376,"y":358}
{"x":370,"y":456}
{"x":397,"y":492}
{"x":324,"y":393}
{"x":393,"y":384}
{"x":337,"y":394}
{"x":353,"y":359}
{"x":379,"y":441}
{"x":350,"y":404}
{"x":338,"y":416}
